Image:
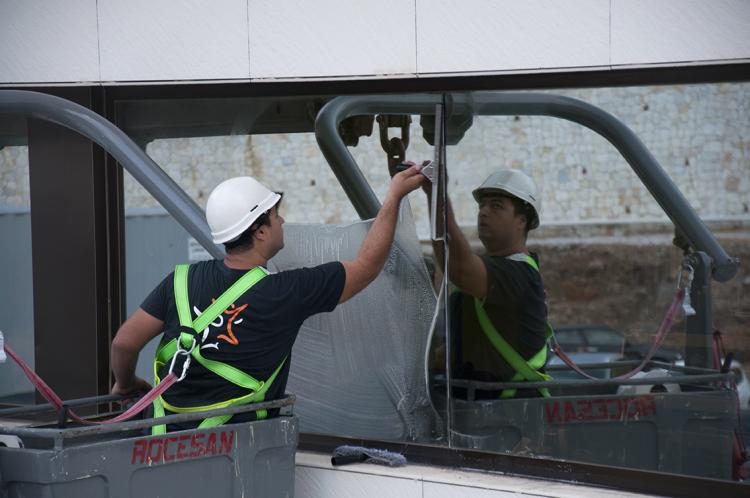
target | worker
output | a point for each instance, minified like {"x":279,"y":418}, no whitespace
{"x":254,"y":333}
{"x":499,"y":315}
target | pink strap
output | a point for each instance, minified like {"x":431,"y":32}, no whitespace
{"x":55,"y":400}
{"x":664,"y":328}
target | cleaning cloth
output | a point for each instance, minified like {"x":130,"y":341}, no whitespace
{"x":353,"y":454}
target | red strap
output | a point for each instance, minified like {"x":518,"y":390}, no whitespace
{"x":664,"y":328}
{"x":55,"y":400}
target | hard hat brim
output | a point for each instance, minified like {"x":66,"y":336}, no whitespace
{"x":477,"y":193}
{"x":231,"y":233}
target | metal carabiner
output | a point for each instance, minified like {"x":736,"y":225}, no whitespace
{"x":685,"y":268}
{"x":687,"y":307}
{"x":186,"y":363}
{"x":2,"y":348}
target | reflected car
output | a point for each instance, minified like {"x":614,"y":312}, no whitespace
{"x":740,"y":380}
{"x":743,"y":386}
{"x":590,"y":339}
{"x":582,"y":359}
{"x":602,"y":338}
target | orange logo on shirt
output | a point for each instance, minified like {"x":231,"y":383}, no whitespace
{"x":234,"y":312}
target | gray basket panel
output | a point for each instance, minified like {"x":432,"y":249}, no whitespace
{"x":688,"y":433}
{"x":254,"y":459}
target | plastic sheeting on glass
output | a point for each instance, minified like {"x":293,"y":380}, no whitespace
{"x":359,"y":370}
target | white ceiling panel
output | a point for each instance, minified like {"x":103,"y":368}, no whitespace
{"x":48,"y":42}
{"x":144,"y":40}
{"x":506,"y":35}
{"x":329,"y":38}
{"x":649,"y":32}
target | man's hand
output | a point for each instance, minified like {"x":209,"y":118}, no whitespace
{"x":130,"y":339}
{"x":426,"y":186}
{"x":374,"y":251}
{"x":135,"y":386}
{"x":406,"y":181}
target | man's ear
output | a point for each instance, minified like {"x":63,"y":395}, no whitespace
{"x":521,"y":221}
{"x":261,"y":233}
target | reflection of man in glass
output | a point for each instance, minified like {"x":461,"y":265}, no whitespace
{"x":499,"y":317}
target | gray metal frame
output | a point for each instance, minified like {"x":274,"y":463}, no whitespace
{"x":59,"y":435}
{"x":189,"y":215}
{"x":617,"y":133}
{"x":96,"y":128}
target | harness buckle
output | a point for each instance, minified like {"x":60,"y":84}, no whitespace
{"x":186,"y":362}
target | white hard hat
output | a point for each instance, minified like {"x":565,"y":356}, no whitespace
{"x":515,"y":183}
{"x":235,"y":204}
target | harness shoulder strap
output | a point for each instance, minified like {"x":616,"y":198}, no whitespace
{"x":190,"y":328}
{"x":525,"y":370}
{"x":506,"y":350}
{"x":242,"y":285}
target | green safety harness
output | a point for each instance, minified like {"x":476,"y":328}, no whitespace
{"x":188,"y":346}
{"x":525,"y":370}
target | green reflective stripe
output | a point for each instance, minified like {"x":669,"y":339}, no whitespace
{"x":539,"y":359}
{"x":229,"y":296}
{"x":259,"y":414}
{"x":253,"y":397}
{"x":227,"y":372}
{"x":501,"y":345}
{"x":216,"y":421}
{"x":158,"y":412}
{"x":525,"y":370}
{"x":548,"y":332}
{"x":158,"y":405}
{"x":166,"y":351}
{"x":511,"y":393}
{"x":181,"y":295}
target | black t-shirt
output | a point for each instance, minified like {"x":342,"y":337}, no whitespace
{"x":515,"y":306}
{"x":255,"y":334}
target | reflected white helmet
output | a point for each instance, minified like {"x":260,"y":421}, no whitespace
{"x":234,"y":205}
{"x":515,"y":183}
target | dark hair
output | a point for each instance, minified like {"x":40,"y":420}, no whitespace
{"x":245,"y":240}
{"x":522,"y":207}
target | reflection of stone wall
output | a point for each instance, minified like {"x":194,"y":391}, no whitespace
{"x":14,"y":176}
{"x":699,"y":133}
{"x":630,"y":286}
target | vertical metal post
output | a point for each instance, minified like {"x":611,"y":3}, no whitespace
{"x":440,"y":232}
{"x":699,"y":328}
{"x":72,"y":273}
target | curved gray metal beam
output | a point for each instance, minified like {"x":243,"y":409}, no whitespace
{"x":341,"y":161}
{"x":94,"y":127}
{"x":625,"y":141}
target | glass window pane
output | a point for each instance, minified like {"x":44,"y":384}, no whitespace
{"x":606,"y":256}
{"x":16,"y":285}
{"x":604,"y":339}
{"x":385,"y":357}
